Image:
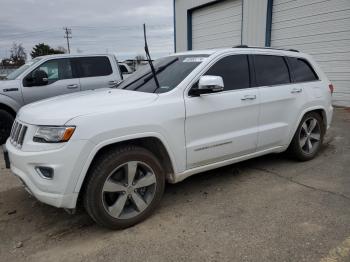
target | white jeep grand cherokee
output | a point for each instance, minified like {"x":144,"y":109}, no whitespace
{"x":115,"y":148}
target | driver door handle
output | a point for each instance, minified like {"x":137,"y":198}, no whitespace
{"x":248,"y":97}
{"x":296,"y":90}
{"x":72,"y":86}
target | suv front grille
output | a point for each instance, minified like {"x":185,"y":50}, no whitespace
{"x":18,"y":133}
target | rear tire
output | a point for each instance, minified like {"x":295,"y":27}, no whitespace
{"x":308,"y":138}
{"x":6,"y":121}
{"x":124,"y":187}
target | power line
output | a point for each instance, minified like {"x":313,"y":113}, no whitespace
{"x":68,"y":35}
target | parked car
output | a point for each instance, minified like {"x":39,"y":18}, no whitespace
{"x":125,"y":70}
{"x":53,"y":75}
{"x":116,"y":148}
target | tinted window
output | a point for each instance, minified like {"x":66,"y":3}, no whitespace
{"x":234,"y":70}
{"x":170,"y":72}
{"x":302,"y":71}
{"x":271,"y":70}
{"x":123,"y":69}
{"x":94,"y":66}
{"x":57,"y":69}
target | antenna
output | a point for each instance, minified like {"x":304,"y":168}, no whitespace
{"x":149,"y":58}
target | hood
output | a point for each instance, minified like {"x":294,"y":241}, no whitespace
{"x":59,"y":110}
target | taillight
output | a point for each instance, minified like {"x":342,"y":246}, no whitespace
{"x":331,"y":88}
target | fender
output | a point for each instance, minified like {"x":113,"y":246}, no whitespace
{"x":9,"y":102}
{"x":301,"y":115}
{"x":99,"y":146}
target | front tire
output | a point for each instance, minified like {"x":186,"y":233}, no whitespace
{"x":308,"y":138}
{"x":124,"y":187}
{"x":6,"y":121}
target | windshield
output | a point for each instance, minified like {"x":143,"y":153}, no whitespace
{"x":170,"y":72}
{"x":23,"y":68}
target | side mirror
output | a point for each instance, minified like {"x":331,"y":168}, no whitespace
{"x":208,"y":85}
{"x":40,"y":78}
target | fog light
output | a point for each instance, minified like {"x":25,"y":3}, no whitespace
{"x":45,"y":172}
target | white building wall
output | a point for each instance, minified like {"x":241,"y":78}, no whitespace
{"x":181,"y":7}
{"x":217,"y":26}
{"x":322,"y":29}
{"x":254,"y":21}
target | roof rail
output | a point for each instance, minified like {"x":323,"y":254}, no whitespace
{"x":271,"y":48}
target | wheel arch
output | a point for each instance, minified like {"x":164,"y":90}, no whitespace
{"x":318,"y":109}
{"x":153,"y":143}
{"x":8,"y":109}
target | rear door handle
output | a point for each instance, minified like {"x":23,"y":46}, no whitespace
{"x":72,"y":86}
{"x":248,"y":97}
{"x":296,"y":90}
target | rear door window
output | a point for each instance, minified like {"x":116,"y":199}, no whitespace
{"x":301,"y":70}
{"x":271,"y":70}
{"x":234,"y":70}
{"x":93,"y":66}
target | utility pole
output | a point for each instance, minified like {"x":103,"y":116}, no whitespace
{"x":68,"y":35}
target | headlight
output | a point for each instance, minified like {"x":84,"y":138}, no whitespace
{"x":53,"y":134}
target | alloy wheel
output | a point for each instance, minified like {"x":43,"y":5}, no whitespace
{"x":129,"y":189}
{"x":310,"y":135}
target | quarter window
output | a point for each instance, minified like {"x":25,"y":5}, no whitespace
{"x":94,"y":66}
{"x":302,"y":71}
{"x":271,"y":70}
{"x":234,"y":70}
{"x":123,"y":69}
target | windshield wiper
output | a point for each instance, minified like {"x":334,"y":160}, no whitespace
{"x":137,"y":79}
{"x":149,"y":58}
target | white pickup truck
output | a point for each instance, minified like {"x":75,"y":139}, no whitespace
{"x":53,"y":75}
{"x":115,"y":148}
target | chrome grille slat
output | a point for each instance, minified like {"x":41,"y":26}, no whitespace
{"x":13,"y":127}
{"x":18,"y":133}
{"x":14,"y":130}
{"x":19,"y":127}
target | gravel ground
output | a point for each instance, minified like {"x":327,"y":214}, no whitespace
{"x":267,"y":209}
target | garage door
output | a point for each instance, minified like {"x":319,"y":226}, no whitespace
{"x":217,"y":25}
{"x":322,"y":29}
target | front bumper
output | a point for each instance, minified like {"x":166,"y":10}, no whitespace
{"x":67,"y":163}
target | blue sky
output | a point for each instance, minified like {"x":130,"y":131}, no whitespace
{"x":97,"y":26}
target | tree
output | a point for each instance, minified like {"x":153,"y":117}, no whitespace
{"x":18,"y":54}
{"x":44,"y":49}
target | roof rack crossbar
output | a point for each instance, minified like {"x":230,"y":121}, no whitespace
{"x":271,"y":48}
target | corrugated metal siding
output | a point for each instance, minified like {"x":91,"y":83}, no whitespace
{"x":254,"y":22}
{"x":181,"y":8}
{"x":320,"y":28}
{"x":217,"y":25}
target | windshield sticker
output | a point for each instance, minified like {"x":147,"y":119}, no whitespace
{"x":194,"y":59}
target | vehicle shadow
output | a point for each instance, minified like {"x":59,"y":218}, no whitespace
{"x":23,"y":218}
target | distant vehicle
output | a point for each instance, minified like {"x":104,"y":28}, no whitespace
{"x":53,"y":75}
{"x":125,"y":70}
{"x":194,"y":112}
